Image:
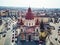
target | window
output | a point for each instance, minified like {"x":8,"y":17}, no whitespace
{"x":32,"y":23}
{"x":29,"y":24}
{"x":26,"y":24}
{"x":21,"y":30}
{"x":37,"y":30}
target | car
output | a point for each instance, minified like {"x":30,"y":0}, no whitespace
{"x":59,"y":32}
{"x":16,"y":41}
{"x":12,"y":40}
{"x":58,"y":41}
{"x":0,"y":21}
{"x":12,"y":37}
{"x":8,"y":29}
{"x":16,"y":36}
{"x":52,"y":27}
{"x":4,"y":35}
{"x":59,"y":26}
{"x":42,"y":42}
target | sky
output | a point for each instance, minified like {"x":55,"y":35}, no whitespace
{"x":31,"y":3}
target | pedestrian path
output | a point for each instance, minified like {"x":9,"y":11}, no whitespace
{"x":8,"y":38}
{"x":1,"y":27}
{"x":2,"y":41}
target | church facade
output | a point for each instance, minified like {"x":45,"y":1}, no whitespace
{"x":29,"y":27}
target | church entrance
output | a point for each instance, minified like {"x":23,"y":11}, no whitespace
{"x":29,"y":37}
{"x":29,"y":34}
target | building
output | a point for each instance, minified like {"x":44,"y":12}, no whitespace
{"x":13,"y":13}
{"x":29,"y":27}
{"x":54,"y":38}
{"x":4,"y":12}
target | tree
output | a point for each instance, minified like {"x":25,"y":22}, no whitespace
{"x":0,"y":20}
{"x":42,"y":25}
{"x":51,"y":20}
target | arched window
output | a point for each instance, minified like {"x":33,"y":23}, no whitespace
{"x":26,"y":24}
{"x":29,"y":24}
{"x":21,"y":30}
{"x":32,"y":23}
{"x":37,"y":30}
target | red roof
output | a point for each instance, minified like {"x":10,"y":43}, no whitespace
{"x":29,"y":14}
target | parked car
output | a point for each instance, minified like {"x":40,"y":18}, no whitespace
{"x":4,"y":35}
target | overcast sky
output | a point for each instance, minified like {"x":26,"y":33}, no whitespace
{"x":31,"y":3}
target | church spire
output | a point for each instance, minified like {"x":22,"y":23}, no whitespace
{"x":29,"y":9}
{"x":29,"y":14}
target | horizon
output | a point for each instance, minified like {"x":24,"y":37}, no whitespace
{"x":31,"y":3}
{"x":28,"y":7}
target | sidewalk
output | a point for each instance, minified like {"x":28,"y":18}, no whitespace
{"x":1,"y":27}
{"x":2,"y":40}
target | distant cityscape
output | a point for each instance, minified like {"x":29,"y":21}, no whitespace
{"x":8,"y":11}
{"x":29,"y":26}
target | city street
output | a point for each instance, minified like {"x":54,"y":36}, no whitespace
{"x":8,"y":38}
{"x":29,"y":25}
{"x":54,"y":34}
{"x":1,"y":27}
{"x":2,"y":39}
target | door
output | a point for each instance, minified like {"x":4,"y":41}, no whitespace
{"x":29,"y":37}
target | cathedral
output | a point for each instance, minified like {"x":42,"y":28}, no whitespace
{"x":29,"y":27}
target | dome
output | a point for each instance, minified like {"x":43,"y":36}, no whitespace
{"x":29,"y":14}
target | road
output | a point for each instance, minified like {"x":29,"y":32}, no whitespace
{"x":2,"y":39}
{"x":1,"y":27}
{"x":54,"y":34}
{"x":8,"y":38}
